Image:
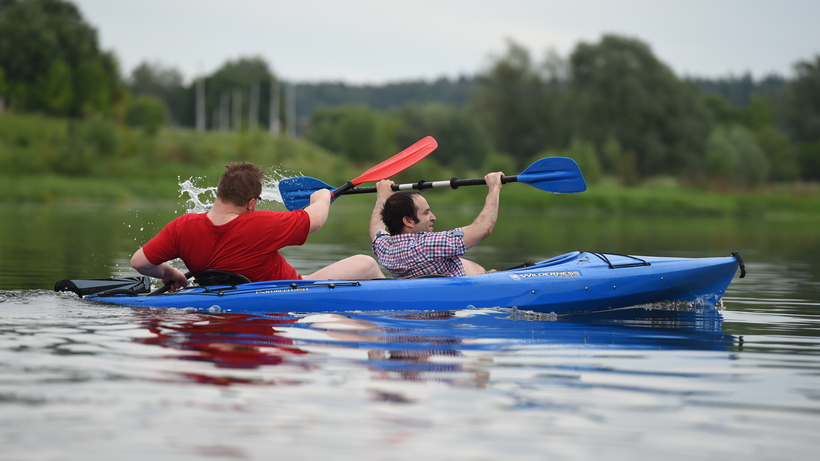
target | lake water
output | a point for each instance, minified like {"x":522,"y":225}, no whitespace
{"x":90,"y":382}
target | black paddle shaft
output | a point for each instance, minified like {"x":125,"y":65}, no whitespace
{"x":453,"y":184}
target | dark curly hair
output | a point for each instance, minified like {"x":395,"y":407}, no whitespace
{"x":396,"y":208}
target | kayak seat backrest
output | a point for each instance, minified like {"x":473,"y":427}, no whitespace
{"x":212,"y":277}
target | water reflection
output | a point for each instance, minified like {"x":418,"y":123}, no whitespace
{"x":491,"y":382}
{"x":41,"y":244}
{"x":450,"y":347}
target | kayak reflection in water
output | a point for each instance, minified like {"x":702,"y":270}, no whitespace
{"x":234,"y":237}
{"x":412,"y":249}
{"x":241,"y":341}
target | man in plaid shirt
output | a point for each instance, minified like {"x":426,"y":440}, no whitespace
{"x":412,"y":249}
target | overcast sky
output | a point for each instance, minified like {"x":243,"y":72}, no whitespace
{"x":379,"y":41}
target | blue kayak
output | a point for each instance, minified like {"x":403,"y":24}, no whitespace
{"x":577,"y":282}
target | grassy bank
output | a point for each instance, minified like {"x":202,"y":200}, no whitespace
{"x":44,"y":159}
{"x":601,"y":199}
{"x":54,"y":160}
{"x":647,"y":200}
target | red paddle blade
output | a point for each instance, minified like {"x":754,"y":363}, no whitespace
{"x":399,"y":162}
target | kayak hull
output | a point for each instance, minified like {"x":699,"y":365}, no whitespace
{"x":577,"y":282}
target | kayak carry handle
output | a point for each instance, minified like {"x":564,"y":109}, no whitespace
{"x":740,"y":263}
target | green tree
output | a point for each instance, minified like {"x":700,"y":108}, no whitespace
{"x":622,"y":162}
{"x":802,"y":102}
{"x":165,"y":83}
{"x":3,"y":89}
{"x":780,"y":153}
{"x":623,"y":92}
{"x":36,"y":35}
{"x":56,"y":89}
{"x":585,"y":156}
{"x":758,"y":117}
{"x":354,"y":131}
{"x":90,"y":142}
{"x":722,"y":111}
{"x":147,"y":113}
{"x":461,"y":140}
{"x":324,"y":128}
{"x":520,"y":103}
{"x":232,"y":78}
{"x":359,"y":135}
{"x":808,"y":157}
{"x":496,"y":161}
{"x":734,"y":156}
{"x":92,"y":88}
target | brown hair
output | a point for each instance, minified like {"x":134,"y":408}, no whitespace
{"x":240,"y":182}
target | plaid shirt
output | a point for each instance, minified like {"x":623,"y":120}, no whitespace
{"x":422,"y":253}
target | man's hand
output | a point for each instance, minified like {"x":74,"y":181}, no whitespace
{"x":383,"y":190}
{"x":493,"y":180}
{"x":164,"y":271}
{"x":176,"y":277}
{"x":320,"y":195}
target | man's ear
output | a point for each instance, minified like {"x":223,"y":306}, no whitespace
{"x":408,"y":222}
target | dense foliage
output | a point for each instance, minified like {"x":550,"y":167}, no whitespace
{"x":612,"y":105}
{"x":52,"y":62}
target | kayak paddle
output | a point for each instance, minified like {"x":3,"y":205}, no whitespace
{"x":296,"y":191}
{"x":559,"y":175}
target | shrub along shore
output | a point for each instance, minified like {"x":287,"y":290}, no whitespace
{"x":56,"y":160}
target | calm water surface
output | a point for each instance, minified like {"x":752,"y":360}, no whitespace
{"x":82,"y":381}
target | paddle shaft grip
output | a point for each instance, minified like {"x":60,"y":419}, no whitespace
{"x":453,"y":184}
{"x":343,"y":189}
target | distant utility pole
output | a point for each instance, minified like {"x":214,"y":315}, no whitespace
{"x":290,"y":120}
{"x":253,"y":107}
{"x":224,"y":112}
{"x":237,"y":110}
{"x":200,"y":105}
{"x":274,"y":107}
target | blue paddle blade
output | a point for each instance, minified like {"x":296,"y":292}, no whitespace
{"x":296,"y":191}
{"x":560,"y":175}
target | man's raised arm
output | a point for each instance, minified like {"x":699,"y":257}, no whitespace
{"x":383,"y":192}
{"x":484,"y":223}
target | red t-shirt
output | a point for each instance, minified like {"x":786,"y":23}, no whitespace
{"x":247,"y":245}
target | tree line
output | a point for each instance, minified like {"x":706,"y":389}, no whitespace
{"x":612,"y":105}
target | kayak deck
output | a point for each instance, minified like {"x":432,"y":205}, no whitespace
{"x":576,"y":282}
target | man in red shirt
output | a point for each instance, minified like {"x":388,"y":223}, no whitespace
{"x":234,"y":237}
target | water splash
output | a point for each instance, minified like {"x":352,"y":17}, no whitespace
{"x":201,"y":198}
{"x":270,"y":187}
